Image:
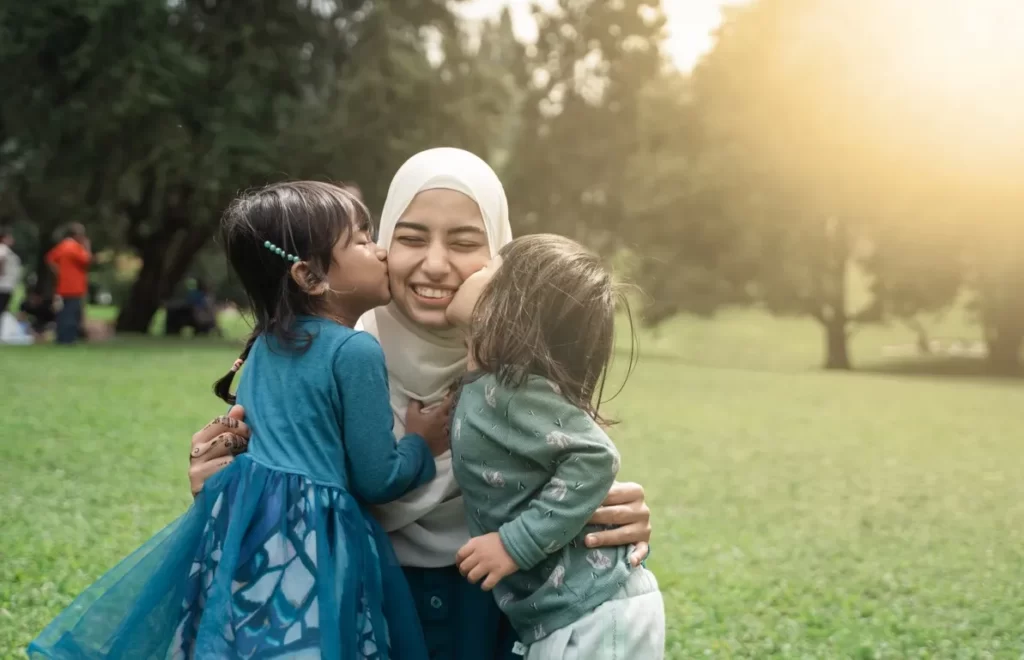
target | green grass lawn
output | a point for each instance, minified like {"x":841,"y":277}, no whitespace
{"x":798,"y":514}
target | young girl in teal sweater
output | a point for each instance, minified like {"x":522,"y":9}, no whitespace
{"x":533,"y":460}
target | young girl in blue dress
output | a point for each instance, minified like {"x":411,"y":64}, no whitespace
{"x":277,"y":556}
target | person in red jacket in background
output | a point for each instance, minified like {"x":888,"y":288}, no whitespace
{"x":70,"y":261}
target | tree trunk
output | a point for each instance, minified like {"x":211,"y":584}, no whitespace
{"x":1004,"y":347}
{"x":45,"y":283}
{"x":144,"y":299}
{"x":834,"y":314}
{"x":837,"y":355}
{"x":162,"y":271}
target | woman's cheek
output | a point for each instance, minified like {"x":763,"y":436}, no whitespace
{"x":467,"y":264}
{"x":398,"y":266}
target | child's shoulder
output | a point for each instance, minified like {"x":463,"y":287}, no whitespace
{"x":532,"y":390}
{"x":532,"y":382}
{"x":354,"y":345}
{"x":543,"y":385}
{"x":321,"y":328}
{"x":328,"y":338}
{"x":539,"y":386}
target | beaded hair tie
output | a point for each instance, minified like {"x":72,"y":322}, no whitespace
{"x":281,"y":253}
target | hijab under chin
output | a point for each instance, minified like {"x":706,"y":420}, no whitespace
{"x":423,"y":363}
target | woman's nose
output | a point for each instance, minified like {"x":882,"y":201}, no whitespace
{"x":382,"y":254}
{"x":436,"y":264}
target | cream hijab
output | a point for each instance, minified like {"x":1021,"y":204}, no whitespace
{"x":428,"y":525}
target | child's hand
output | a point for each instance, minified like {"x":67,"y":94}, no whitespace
{"x":485,"y":556}
{"x":431,"y":423}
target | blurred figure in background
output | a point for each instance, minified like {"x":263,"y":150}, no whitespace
{"x":10,"y":268}
{"x":70,"y":260}
{"x":201,"y":302}
{"x":36,"y":312}
{"x":197,"y":311}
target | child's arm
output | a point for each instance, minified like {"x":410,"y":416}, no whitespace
{"x":545,"y":428}
{"x":380,"y":470}
{"x":550,"y":430}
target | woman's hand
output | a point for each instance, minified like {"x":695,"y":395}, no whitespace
{"x":624,"y":507}
{"x":430,"y":423}
{"x":216,"y":446}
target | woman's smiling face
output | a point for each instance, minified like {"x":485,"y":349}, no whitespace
{"x":438,"y":242}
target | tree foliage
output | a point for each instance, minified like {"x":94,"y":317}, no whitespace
{"x":144,"y":120}
{"x":820,"y":142}
{"x":841,"y":150}
{"x":580,"y":117}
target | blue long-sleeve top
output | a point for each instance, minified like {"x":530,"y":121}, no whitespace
{"x":325,"y":413}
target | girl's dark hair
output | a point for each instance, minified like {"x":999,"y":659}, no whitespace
{"x":303,"y":218}
{"x":550,"y":311}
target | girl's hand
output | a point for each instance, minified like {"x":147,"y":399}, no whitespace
{"x":626,"y":508}
{"x":216,"y":446}
{"x":430,"y":423}
{"x":485,"y":557}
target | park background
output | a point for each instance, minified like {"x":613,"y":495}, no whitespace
{"x":818,"y":201}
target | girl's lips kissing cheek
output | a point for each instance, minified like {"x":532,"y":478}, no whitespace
{"x":432,"y":295}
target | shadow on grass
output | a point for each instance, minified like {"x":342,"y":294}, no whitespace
{"x":950,"y":367}
{"x":177,"y":343}
{"x":147,"y":343}
{"x":624,"y":354}
{"x":923,"y":367}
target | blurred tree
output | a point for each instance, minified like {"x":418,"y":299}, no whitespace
{"x":768,"y":119}
{"x":480,"y":75}
{"x":144,"y":120}
{"x":954,"y":86}
{"x":828,"y":170}
{"x":687,"y":250}
{"x":580,"y":117}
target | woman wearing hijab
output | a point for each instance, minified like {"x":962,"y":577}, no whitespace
{"x":445,"y":216}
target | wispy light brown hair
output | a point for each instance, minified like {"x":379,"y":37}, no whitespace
{"x":549,"y":311}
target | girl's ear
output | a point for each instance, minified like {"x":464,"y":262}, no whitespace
{"x":307,"y":280}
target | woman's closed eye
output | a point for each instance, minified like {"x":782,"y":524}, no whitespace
{"x":411,"y":240}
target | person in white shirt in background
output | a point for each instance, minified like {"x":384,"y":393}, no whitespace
{"x":10,"y":268}
{"x":11,"y":331}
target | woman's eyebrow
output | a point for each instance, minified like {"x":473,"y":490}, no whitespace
{"x":415,"y":226}
{"x":467,"y":229}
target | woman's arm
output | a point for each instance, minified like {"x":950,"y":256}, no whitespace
{"x":214,"y":447}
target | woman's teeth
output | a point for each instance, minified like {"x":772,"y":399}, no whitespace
{"x":428,"y":292}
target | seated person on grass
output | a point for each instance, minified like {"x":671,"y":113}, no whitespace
{"x":37,"y":312}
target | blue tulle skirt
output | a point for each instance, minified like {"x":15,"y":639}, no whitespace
{"x":265,"y":564}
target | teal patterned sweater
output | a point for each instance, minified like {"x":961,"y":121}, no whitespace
{"x":534,"y":468}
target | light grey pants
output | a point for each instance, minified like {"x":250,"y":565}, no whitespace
{"x":630,"y":626}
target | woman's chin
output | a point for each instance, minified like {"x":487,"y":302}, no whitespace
{"x":431,"y":319}
{"x":426,"y":313}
